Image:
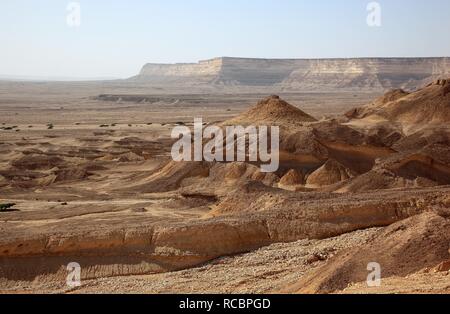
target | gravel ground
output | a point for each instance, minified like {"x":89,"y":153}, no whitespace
{"x":263,"y":271}
{"x":266,"y":270}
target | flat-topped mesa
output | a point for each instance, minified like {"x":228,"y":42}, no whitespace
{"x":301,"y":74}
{"x":206,"y":67}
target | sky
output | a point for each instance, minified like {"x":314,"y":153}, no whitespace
{"x":115,"y":38}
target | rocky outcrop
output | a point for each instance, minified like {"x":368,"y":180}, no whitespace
{"x":330,"y":173}
{"x":401,"y":249}
{"x":139,"y":245}
{"x":424,"y":108}
{"x":292,"y":177}
{"x":272,"y":111}
{"x":301,"y":74}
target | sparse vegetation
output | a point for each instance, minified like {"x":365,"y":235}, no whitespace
{"x":50,"y":126}
{"x":104,"y":125}
{"x":8,"y":207}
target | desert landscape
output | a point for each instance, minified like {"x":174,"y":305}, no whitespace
{"x":86,"y":176}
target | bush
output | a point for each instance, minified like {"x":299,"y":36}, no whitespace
{"x":7,"y":207}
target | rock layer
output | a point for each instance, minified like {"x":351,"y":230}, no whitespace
{"x":301,"y":74}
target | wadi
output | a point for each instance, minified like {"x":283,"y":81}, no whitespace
{"x":362,"y":177}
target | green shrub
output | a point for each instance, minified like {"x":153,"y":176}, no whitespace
{"x":6,"y":207}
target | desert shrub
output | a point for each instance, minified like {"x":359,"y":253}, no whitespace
{"x":6,"y":207}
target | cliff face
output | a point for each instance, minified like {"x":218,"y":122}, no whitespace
{"x":301,"y":74}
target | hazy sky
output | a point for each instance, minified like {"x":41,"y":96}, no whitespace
{"x":115,"y":38}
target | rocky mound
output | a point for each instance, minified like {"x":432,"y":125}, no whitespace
{"x":330,"y":173}
{"x":415,"y":111}
{"x":420,"y":166}
{"x":292,"y":178}
{"x":73,"y":173}
{"x":390,"y":96}
{"x":379,"y":179}
{"x":171,"y":176}
{"x":272,"y":111}
{"x":320,"y":141}
{"x":37,"y":162}
{"x":401,"y":249}
{"x":224,"y":177}
{"x":434,"y":142}
{"x":416,"y":169}
{"x":130,"y":157}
